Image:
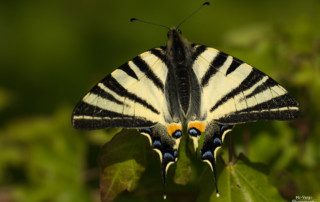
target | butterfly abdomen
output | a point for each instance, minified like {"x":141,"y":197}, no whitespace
{"x":179,"y":55}
{"x":183,"y":86}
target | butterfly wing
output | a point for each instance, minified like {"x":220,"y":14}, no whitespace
{"x":235,"y":92}
{"x":164,"y":144}
{"x":132,"y":96}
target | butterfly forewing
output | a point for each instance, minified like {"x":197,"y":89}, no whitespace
{"x":235,"y":92}
{"x":132,"y":96}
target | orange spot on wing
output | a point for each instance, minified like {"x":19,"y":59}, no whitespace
{"x":201,"y":126}
{"x":173,"y":127}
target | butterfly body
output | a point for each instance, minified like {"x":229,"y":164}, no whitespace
{"x":181,"y":82}
{"x":183,"y":85}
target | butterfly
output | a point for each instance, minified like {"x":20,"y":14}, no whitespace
{"x":181,"y":88}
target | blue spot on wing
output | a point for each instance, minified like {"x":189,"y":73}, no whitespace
{"x":207,"y":155}
{"x":225,"y":127}
{"x":217,"y":141}
{"x":177,"y":134}
{"x":168,"y":156}
{"x":194,"y":132}
{"x":156,"y":144}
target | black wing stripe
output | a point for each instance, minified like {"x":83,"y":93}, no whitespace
{"x":254,"y":77}
{"x":160,"y":55}
{"x":114,"y":86}
{"x":144,"y":67}
{"x":127,"y":69}
{"x":279,"y":102}
{"x":199,"y":50}
{"x":269,"y":83}
{"x":234,"y":65}
{"x":102,"y":93}
{"x":157,"y":53}
{"x":109,"y":123}
{"x":217,"y":62}
{"x":85,"y":109}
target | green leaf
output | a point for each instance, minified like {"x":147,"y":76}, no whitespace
{"x":183,"y":169}
{"x":42,"y":159}
{"x":243,"y":181}
{"x":5,"y":98}
{"x":100,"y":137}
{"x":123,"y":160}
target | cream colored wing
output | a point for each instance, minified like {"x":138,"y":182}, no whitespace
{"x":132,"y":96}
{"x":235,"y":92}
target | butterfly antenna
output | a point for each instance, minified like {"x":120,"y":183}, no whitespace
{"x":150,"y":23}
{"x":192,"y":14}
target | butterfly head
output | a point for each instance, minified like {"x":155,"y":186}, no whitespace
{"x":174,"y":33}
{"x":177,"y":45}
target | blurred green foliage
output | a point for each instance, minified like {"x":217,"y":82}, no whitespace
{"x":52,"y":52}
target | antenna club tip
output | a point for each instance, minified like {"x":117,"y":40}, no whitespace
{"x":207,"y":3}
{"x":218,"y":194}
{"x":133,"y":19}
{"x":164,"y":197}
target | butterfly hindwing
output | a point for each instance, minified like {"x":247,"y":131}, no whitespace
{"x":132,"y":96}
{"x":215,"y":134}
{"x":165,"y":144}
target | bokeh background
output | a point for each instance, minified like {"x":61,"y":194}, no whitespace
{"x":52,"y":52}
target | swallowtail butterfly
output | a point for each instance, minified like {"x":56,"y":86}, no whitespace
{"x":183,"y":85}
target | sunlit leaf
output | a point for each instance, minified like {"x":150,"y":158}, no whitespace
{"x":123,"y":160}
{"x":242,"y":181}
